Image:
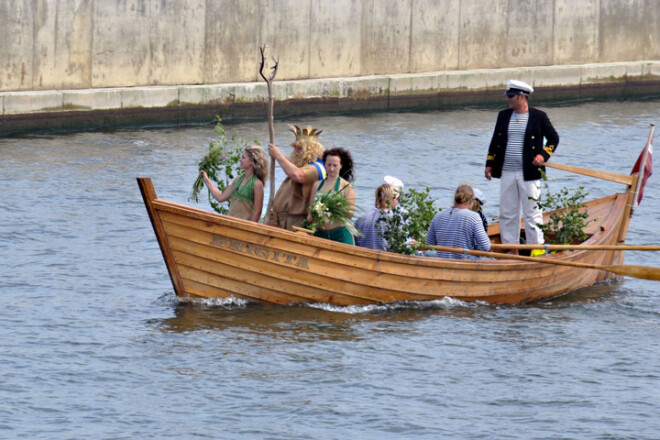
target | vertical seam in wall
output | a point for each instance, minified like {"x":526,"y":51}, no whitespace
{"x":34,"y":47}
{"x":205,"y":46}
{"x":600,"y":24}
{"x":552,"y":34}
{"x":92,"y":27}
{"x":458,"y":55}
{"x":410,"y":36}
{"x":309,"y":39}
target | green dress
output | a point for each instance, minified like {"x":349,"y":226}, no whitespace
{"x":241,"y":201}
{"x":341,"y":233}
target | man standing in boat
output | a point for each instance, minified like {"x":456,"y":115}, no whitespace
{"x":515,"y":156}
{"x":304,"y":167}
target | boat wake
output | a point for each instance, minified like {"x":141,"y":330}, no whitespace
{"x":446,"y":303}
{"x":226,"y":303}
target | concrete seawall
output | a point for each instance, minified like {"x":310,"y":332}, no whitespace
{"x":69,"y":63}
{"x":109,"y":107}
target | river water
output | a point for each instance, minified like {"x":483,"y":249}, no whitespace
{"x":95,"y":345}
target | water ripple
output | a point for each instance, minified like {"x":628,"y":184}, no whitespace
{"x":96,"y":344}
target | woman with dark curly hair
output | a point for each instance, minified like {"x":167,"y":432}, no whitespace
{"x":339,"y":165}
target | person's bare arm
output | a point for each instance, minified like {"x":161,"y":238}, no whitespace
{"x":292,"y":171}
{"x":312,"y":194}
{"x":258,"y":200}
{"x":220,"y":196}
{"x":349,"y":194}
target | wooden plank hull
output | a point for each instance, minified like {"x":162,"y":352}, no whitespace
{"x":215,"y":256}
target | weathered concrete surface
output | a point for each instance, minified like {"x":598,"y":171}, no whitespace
{"x":72,"y":109}
{"x":80,"y":44}
{"x":175,"y":61}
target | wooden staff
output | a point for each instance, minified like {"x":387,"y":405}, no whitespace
{"x":644,"y":272}
{"x":271,"y":127}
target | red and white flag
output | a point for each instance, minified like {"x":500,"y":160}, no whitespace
{"x":648,"y":168}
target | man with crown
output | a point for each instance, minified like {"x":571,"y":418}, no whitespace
{"x":302,"y":169}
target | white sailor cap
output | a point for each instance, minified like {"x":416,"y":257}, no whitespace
{"x":516,"y":87}
{"x":479,"y":195}
{"x":393,"y":181}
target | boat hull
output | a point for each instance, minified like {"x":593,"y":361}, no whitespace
{"x":209,"y":255}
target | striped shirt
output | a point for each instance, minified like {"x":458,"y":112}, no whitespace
{"x":515,"y":141}
{"x":459,"y":228}
{"x":372,"y":230}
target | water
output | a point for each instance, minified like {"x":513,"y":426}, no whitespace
{"x":95,"y":345}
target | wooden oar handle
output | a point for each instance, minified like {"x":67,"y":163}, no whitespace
{"x":305,"y":230}
{"x":574,"y":247}
{"x":645,"y":272}
{"x":613,"y":177}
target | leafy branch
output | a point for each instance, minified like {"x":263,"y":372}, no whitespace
{"x":568,"y":217}
{"x":404,"y":228}
{"x":220,"y":164}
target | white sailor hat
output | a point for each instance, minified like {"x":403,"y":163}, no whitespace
{"x":393,"y":181}
{"x":516,"y":87}
{"x":479,"y":195}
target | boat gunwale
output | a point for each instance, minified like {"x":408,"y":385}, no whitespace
{"x":611,"y":209}
{"x":608,"y":224}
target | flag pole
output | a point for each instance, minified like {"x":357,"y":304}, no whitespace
{"x":642,"y":167}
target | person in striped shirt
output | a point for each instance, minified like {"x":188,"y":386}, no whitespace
{"x":458,"y":227}
{"x":515,"y":155}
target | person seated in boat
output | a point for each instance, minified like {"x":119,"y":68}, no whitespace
{"x":371,"y":225}
{"x":302,"y":169}
{"x":339,"y":165}
{"x":479,"y":202}
{"x":458,"y":227}
{"x":246,"y":192}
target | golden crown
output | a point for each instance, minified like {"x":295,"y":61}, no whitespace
{"x":305,"y":134}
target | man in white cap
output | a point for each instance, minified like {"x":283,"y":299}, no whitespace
{"x":515,"y":156}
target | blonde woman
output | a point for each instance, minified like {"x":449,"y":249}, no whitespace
{"x":370,"y":224}
{"x":246,"y":192}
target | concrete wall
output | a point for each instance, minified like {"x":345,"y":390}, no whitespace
{"x":76,"y":64}
{"x":89,"y":44}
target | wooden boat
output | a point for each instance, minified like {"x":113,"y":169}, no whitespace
{"x":210,"y":255}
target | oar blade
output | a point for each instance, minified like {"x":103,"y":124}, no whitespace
{"x":644,"y":272}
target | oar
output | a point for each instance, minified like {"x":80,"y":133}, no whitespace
{"x":612,"y":177}
{"x":271,"y":128}
{"x":645,"y":272}
{"x":574,"y":247}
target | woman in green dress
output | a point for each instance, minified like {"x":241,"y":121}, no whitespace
{"x":246,"y":192}
{"x":339,"y":166}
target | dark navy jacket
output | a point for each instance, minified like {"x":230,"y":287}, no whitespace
{"x":538,"y":127}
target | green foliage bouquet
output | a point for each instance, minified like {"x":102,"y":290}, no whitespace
{"x":568,"y":216}
{"x":405,"y":227}
{"x":220,"y":164}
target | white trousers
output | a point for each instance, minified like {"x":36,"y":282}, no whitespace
{"x":514,"y":193}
